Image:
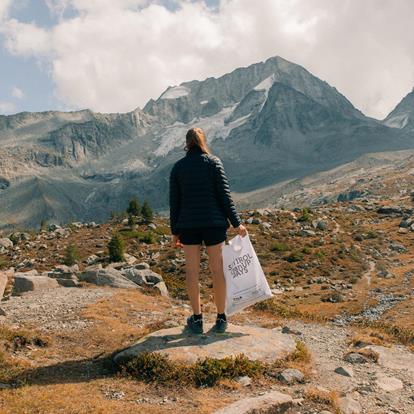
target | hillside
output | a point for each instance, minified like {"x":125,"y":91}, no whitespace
{"x":341,"y":275}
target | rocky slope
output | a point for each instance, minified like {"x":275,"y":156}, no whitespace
{"x":270,"y":122}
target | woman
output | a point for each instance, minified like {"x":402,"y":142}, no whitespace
{"x":200,"y":207}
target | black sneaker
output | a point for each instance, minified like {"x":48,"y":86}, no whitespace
{"x":195,"y":325}
{"x":221,"y":325}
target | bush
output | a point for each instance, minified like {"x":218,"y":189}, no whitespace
{"x":3,"y":263}
{"x":132,"y":220}
{"x":306,"y":215}
{"x":43,"y":225}
{"x":296,"y":256}
{"x":279,"y":247}
{"x":71,"y":255}
{"x":146,"y":212}
{"x":155,"y":367}
{"x":116,"y":248}
{"x":134,"y":209}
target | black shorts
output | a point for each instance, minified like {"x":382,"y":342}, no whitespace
{"x":210,"y":235}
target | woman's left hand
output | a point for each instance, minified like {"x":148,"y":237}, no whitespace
{"x":176,"y":241}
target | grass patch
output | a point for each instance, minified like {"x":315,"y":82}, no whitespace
{"x":274,"y":307}
{"x":279,"y":247}
{"x":295,"y":256}
{"x":3,"y":263}
{"x":155,"y":367}
{"x":322,"y":396}
{"x":148,"y":237}
{"x":400,"y":334}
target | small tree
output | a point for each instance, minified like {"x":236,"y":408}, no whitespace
{"x":43,"y":224}
{"x":146,"y":212}
{"x":132,"y":220}
{"x":116,"y":249}
{"x":134,"y":209}
{"x":71,"y":255}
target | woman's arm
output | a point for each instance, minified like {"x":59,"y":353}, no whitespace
{"x":223,"y":192}
{"x":174,"y":201}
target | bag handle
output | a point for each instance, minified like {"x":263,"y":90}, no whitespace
{"x":236,"y":243}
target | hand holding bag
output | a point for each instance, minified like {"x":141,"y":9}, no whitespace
{"x":246,"y":283}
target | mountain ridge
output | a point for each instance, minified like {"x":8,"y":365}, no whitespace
{"x":274,"y":112}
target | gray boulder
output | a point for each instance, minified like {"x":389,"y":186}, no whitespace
{"x":271,"y":402}
{"x":142,"y":276}
{"x":162,"y":288}
{"x":106,"y":277}
{"x":27,"y":283}
{"x":6,"y":243}
{"x":291,"y":376}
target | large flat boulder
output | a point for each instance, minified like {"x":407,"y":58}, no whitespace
{"x":271,"y":403}
{"x":266,"y":345}
{"x":106,"y":277}
{"x":27,"y":283}
{"x":396,"y":357}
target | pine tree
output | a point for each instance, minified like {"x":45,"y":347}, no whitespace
{"x":146,"y":212}
{"x":116,"y":249}
{"x":134,"y":209}
{"x":71,"y":255}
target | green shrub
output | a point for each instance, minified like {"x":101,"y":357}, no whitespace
{"x":296,"y":256}
{"x":306,"y":215}
{"x":155,"y":367}
{"x":116,"y":248}
{"x":146,"y":212}
{"x":3,"y":263}
{"x":279,"y":247}
{"x":134,"y":209}
{"x":71,"y":255}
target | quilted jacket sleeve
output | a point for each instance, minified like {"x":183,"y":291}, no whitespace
{"x":223,"y":193}
{"x":174,"y":201}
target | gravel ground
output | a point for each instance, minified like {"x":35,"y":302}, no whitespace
{"x":52,"y":309}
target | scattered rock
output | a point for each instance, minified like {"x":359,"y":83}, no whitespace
{"x":6,"y":243}
{"x":27,"y":283}
{"x":389,"y":384}
{"x":345,"y":371}
{"x":355,"y":358}
{"x":244,"y":381}
{"x":349,"y":406}
{"x":162,"y":288}
{"x":272,"y":402}
{"x":291,"y":376}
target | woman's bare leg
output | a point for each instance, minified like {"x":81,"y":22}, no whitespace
{"x":192,"y":270}
{"x":216,"y":268}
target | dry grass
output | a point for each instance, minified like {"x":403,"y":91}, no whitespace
{"x":322,"y":396}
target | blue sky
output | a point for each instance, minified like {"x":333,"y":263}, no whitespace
{"x":114,"y":55}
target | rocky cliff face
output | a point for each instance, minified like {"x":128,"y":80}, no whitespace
{"x":269,"y":122}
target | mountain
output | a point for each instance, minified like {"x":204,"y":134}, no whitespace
{"x":269,"y":122}
{"x":403,"y":115}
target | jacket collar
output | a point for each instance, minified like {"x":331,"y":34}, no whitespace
{"x":194,"y":150}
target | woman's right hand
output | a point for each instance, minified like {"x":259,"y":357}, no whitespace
{"x":176,"y":243}
{"x":241,"y":230}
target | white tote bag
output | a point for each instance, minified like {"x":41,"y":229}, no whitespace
{"x":246,"y":283}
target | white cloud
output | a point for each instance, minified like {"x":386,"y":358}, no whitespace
{"x":7,"y":107}
{"x":115,"y":55}
{"x":17,"y":93}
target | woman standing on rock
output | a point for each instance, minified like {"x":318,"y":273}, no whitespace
{"x":200,"y":208}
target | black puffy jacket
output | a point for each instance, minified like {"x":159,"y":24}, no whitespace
{"x":200,"y":193}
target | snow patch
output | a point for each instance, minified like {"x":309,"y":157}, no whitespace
{"x":213,"y":126}
{"x":175,"y":92}
{"x":397,"y":121}
{"x":203,"y":102}
{"x":265,"y":84}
